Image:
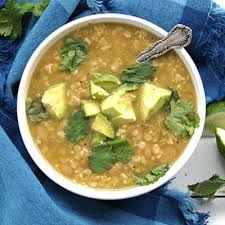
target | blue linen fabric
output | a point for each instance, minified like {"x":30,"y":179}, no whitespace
{"x":27,"y":196}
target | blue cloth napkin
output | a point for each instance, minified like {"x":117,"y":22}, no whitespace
{"x":27,"y":196}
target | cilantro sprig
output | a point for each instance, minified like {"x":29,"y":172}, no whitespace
{"x":12,"y":14}
{"x":139,"y":73}
{"x":73,"y":53}
{"x":35,"y":110}
{"x":208,"y":188}
{"x":77,"y":127}
{"x":104,"y":156}
{"x":182,"y":120}
{"x":122,"y":150}
{"x":152,"y":176}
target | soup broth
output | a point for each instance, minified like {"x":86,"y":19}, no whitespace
{"x":113,"y":48}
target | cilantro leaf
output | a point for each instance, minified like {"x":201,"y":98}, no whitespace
{"x":122,"y":150}
{"x":35,"y":110}
{"x":101,"y":158}
{"x":104,"y":156}
{"x":73,"y":53}
{"x":77,"y":127}
{"x":10,"y":20}
{"x":12,"y":14}
{"x":160,"y":170}
{"x":174,"y":96}
{"x":139,"y":73}
{"x":207,"y":188}
{"x":40,"y":7}
{"x":152,"y":176}
{"x":140,"y":180}
{"x":182,"y":121}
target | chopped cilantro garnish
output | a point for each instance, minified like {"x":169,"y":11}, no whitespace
{"x":77,"y":127}
{"x":104,"y":156}
{"x":174,"y":96}
{"x":122,"y":150}
{"x":207,"y":188}
{"x":181,"y":121}
{"x":152,"y":176}
{"x":12,"y":14}
{"x":73,"y":53}
{"x":139,"y":73}
{"x":35,"y":110}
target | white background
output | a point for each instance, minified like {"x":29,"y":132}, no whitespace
{"x":221,"y":2}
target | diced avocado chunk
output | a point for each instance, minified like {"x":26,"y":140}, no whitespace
{"x":110,"y":106}
{"x":127,"y":87}
{"x":105,"y":81}
{"x":131,"y":96}
{"x":54,"y":100}
{"x":98,"y":92}
{"x":119,"y":108}
{"x":125,"y":118}
{"x":98,"y":138}
{"x":90,"y":107}
{"x":116,"y":104}
{"x":151,"y":99}
{"x":102,"y":125}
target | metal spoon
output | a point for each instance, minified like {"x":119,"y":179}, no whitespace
{"x":179,"y":36}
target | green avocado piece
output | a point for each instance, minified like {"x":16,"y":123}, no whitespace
{"x":131,"y":96}
{"x":90,"y":107}
{"x":126,"y":88}
{"x":54,"y":100}
{"x":116,"y":104}
{"x":119,"y":108}
{"x":105,"y":81}
{"x":98,"y":138}
{"x":98,"y":92}
{"x":111,"y":106}
{"x":125,"y":118}
{"x":150,"y":100}
{"x":102,"y":125}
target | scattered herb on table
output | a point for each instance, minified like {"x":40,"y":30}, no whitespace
{"x":73,"y":53}
{"x":35,"y":110}
{"x":12,"y":14}
{"x":208,"y":188}
{"x":139,"y":73}
{"x":104,"y":156}
{"x":77,"y":127}
{"x":152,"y":176}
{"x":181,"y":121}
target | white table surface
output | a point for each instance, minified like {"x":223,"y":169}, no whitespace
{"x":205,"y":162}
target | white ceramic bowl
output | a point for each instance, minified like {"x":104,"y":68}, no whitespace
{"x":33,"y":149}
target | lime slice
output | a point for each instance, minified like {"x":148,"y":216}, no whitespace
{"x":220,"y":140}
{"x":215,"y":117}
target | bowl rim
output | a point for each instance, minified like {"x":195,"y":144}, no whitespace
{"x":44,"y":165}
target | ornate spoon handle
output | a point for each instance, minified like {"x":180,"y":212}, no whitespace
{"x":179,"y":36}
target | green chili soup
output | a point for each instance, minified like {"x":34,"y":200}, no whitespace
{"x":126,"y":146}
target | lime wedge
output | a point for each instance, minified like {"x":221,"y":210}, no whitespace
{"x":220,"y":140}
{"x":215,"y":117}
